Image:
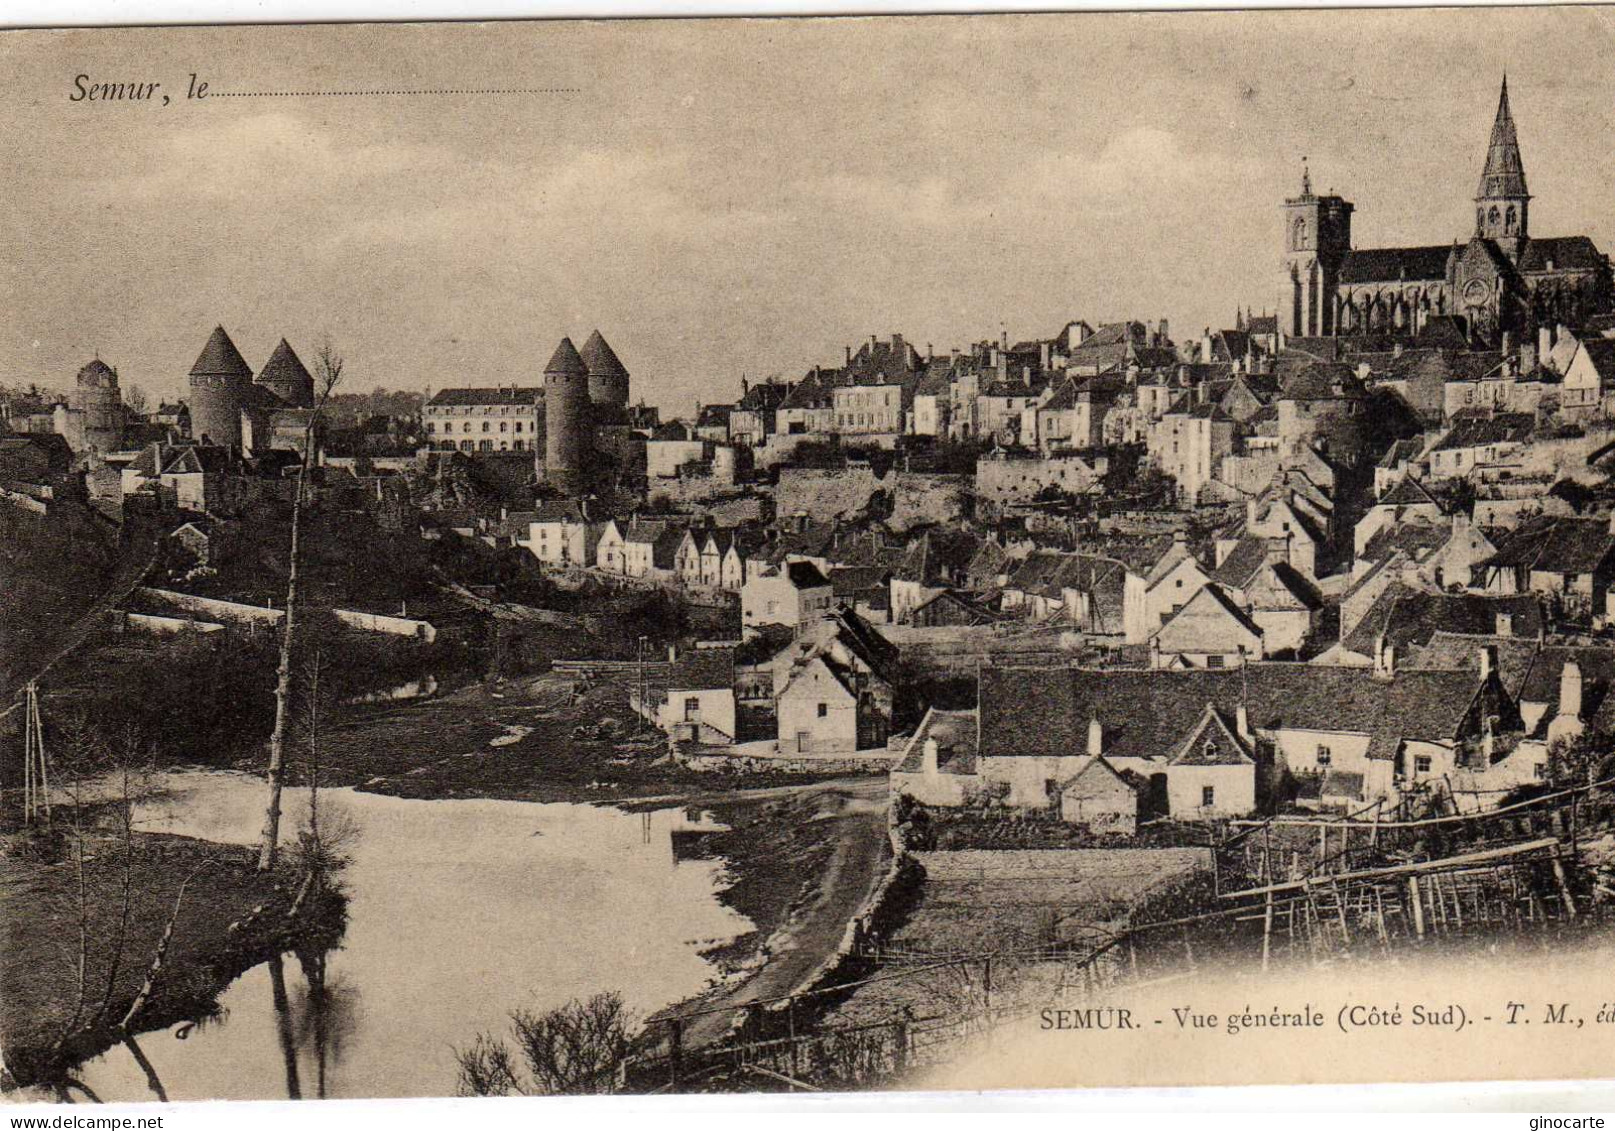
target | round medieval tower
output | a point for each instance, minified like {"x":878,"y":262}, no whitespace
{"x":218,"y":382}
{"x":608,"y":377}
{"x":566,"y":418}
{"x":99,"y":406}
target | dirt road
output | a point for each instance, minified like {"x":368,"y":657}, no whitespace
{"x":836,"y":872}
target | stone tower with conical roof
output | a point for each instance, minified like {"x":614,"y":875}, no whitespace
{"x":566,"y":418}
{"x":219,"y":380}
{"x":1502,"y":201}
{"x":608,"y":377}
{"x":285,"y":375}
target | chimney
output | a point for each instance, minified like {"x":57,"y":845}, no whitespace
{"x":928,"y":758}
{"x":1528,"y":357}
{"x":1384,"y":658}
{"x":849,"y":355}
{"x":1488,"y":661}
{"x":1242,"y":723}
{"x":1205,"y":347}
{"x":930,"y":352}
{"x":1250,"y":514}
{"x":1003,"y":338}
{"x":874,"y":340}
{"x":1508,"y":342}
{"x":1570,"y":690}
{"x":1504,"y":624}
{"x":1165,"y":337}
{"x":1096,"y":738}
{"x":1043,"y":355}
{"x":672,"y":653}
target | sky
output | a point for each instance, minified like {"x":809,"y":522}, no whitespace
{"x":724,"y":198}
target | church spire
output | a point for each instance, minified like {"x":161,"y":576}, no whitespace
{"x":1501,"y":200}
{"x":1504,"y":175}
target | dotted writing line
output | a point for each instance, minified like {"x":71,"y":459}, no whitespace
{"x":388,"y":93}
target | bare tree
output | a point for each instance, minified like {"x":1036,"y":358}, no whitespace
{"x":135,"y":398}
{"x":328,"y":374}
{"x":570,"y":1051}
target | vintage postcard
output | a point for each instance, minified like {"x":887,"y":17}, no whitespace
{"x":807,"y":555}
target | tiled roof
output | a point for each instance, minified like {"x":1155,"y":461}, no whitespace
{"x":1096,"y":779}
{"x":805,"y":575}
{"x":1144,"y":713}
{"x":1408,"y":492}
{"x":1450,"y":651}
{"x":1415,"y":539}
{"x":220,"y":358}
{"x":1478,"y":432}
{"x":703,"y":669}
{"x":285,"y":373}
{"x":1409,"y":617}
{"x":1212,"y":743}
{"x":1556,"y":544}
{"x":1323,"y":380}
{"x":1393,"y":264}
{"x":565,"y":362}
{"x":502,"y":395}
{"x":600,"y":359}
{"x":1242,"y":563}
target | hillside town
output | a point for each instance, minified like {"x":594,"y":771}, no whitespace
{"x":1216,"y":597}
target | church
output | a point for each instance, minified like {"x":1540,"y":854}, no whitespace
{"x":1501,"y":281}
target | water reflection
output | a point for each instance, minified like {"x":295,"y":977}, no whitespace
{"x":459,"y":912}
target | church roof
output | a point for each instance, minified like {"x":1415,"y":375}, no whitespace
{"x":1504,"y":174}
{"x":601,"y":359}
{"x":220,"y":358}
{"x":1385,"y":264}
{"x":565,"y":362}
{"x":98,"y":373}
{"x":1576,"y":252}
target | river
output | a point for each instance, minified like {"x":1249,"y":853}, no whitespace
{"x":460,"y":911}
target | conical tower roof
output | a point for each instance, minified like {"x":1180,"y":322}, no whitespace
{"x":565,"y":362}
{"x":98,"y":373}
{"x":220,"y":358}
{"x":601,"y":359}
{"x":1504,"y":175}
{"x":285,"y":373}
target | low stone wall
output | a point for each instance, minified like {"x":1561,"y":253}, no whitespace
{"x":161,"y":626}
{"x":240,"y":613}
{"x":708,"y":760}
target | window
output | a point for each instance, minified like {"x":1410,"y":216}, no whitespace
{"x":1325,"y":756}
{"x":692,"y":709}
{"x":518,"y":426}
{"x":504,"y":425}
{"x":1215,"y":661}
{"x":824,"y":710}
{"x":485,"y":426}
{"x":1421,"y":764}
{"x":1208,"y":796}
{"x":519,"y":445}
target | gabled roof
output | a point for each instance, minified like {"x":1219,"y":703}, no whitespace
{"x":220,"y":358}
{"x":1408,"y":617}
{"x":1556,"y":544}
{"x":600,"y":359}
{"x":565,"y":362}
{"x":1210,"y":621}
{"x":1601,"y":353}
{"x":1096,"y":779}
{"x":1243,"y":562}
{"x":1322,"y":381}
{"x":1387,"y":264}
{"x":1451,"y":651}
{"x":1145,"y":713}
{"x":1409,"y":492}
{"x":955,"y":735}
{"x":1212,"y":743}
{"x":198,"y":459}
{"x":1575,"y":252}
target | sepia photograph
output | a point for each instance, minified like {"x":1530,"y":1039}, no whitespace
{"x":854,"y":554}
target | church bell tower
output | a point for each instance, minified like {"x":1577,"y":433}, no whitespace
{"x":1317,"y":236}
{"x":1501,"y":202}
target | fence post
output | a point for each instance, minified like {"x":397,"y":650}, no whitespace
{"x":675,"y":1051}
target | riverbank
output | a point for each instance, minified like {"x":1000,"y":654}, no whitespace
{"x":542,"y":738}
{"x":44,"y":1028}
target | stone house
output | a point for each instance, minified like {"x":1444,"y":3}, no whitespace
{"x":793,"y":595}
